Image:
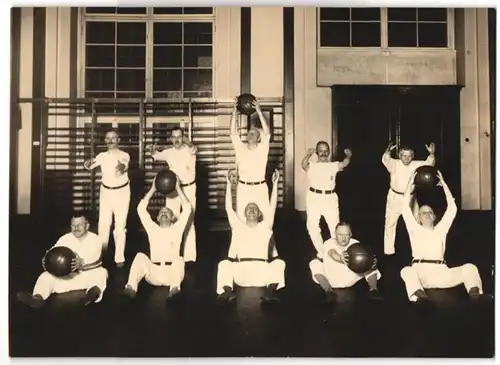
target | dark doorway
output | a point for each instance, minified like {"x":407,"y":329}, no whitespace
{"x":365,"y":119}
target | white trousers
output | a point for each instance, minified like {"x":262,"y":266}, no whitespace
{"x":174,"y":204}
{"x":317,"y":205}
{"x":250,"y":274}
{"x":158,"y":275}
{"x":392,"y":213}
{"x":245,"y":194}
{"x":422,"y":276}
{"x":337,"y":274}
{"x":114,"y":202}
{"x":48,"y":283}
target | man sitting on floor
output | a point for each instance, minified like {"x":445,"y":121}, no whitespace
{"x":87,"y":271}
{"x":428,"y":243}
{"x":165,"y":267}
{"x":332,"y":272}
{"x":249,"y":263}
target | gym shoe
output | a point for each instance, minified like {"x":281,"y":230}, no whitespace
{"x":270,"y":297}
{"x":91,"y":295}
{"x":227,"y":296}
{"x":33,"y":301}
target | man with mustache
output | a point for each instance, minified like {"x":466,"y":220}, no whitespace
{"x":428,"y":244}
{"x":321,"y":199}
{"x":400,"y":171}
{"x":251,"y":160}
{"x":87,"y":271}
{"x":181,"y":159}
{"x":114,"y":196}
{"x":165,"y":266}
{"x":251,"y":261}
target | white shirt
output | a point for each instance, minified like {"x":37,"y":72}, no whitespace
{"x":164,"y":242}
{"x":322,"y":175}
{"x":89,"y":248}
{"x":400,"y":174}
{"x":332,"y":244}
{"x":181,"y":161}
{"x":108,"y":162}
{"x":251,"y":164}
{"x":429,"y":243}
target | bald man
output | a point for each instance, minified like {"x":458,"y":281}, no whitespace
{"x":114,"y":195}
{"x":400,"y":171}
{"x":321,"y":199}
{"x":251,"y":161}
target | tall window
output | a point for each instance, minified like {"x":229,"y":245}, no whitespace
{"x":148,"y":52}
{"x":383,"y":27}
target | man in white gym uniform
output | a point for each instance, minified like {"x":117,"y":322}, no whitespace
{"x":400,"y":170}
{"x":181,"y":159}
{"x":114,"y":195}
{"x":165,"y":266}
{"x":321,"y":198}
{"x":251,"y":161}
{"x":332,"y":271}
{"x":428,"y":243}
{"x":251,"y":261}
{"x":87,"y":271}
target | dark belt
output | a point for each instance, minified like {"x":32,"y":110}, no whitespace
{"x":424,"y":261}
{"x":397,"y":192}
{"x":115,"y":187}
{"x":327,"y":192}
{"x":252,"y":183}
{"x":188,"y":184}
{"x":250,"y":259}
{"x":97,"y":263}
{"x":159,"y":263}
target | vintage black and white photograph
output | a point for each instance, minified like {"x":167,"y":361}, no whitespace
{"x":252,"y":181}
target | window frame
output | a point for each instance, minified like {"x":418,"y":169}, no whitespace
{"x":384,"y":41}
{"x":149,"y":18}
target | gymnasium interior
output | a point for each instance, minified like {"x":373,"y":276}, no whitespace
{"x":357,"y":78}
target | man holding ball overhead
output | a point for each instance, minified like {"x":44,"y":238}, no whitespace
{"x":181,"y":159}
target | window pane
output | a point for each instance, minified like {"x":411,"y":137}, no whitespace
{"x":432,"y":14}
{"x":98,"y":94}
{"x":198,"y":10}
{"x":197,"y":33}
{"x":100,"y":10}
{"x":131,"y":33}
{"x":402,"y":14}
{"x":130,"y":80}
{"x":131,"y":56}
{"x":365,"y":34}
{"x":168,"y":95}
{"x":365,"y":13}
{"x":167,"y":80}
{"x":100,"y":32}
{"x":167,"y":10}
{"x":197,"y":80}
{"x":167,"y":56}
{"x":335,"y":34}
{"x":432,"y":35}
{"x":198,"y":56}
{"x":130,"y":95}
{"x":334,"y":14}
{"x":167,"y":33}
{"x":402,"y":35}
{"x":197,"y":94}
{"x":127,"y":10}
{"x":103,"y":56}
{"x":99,"y":80}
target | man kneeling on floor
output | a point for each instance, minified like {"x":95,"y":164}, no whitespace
{"x":332,"y":271}
{"x":87,"y":271}
{"x":249,"y":262}
{"x":428,"y":243}
{"x":165,"y":267}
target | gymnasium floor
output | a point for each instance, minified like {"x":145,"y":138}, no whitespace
{"x":300,"y":327}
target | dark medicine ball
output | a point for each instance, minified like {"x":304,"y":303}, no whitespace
{"x":426,"y":177}
{"x":244,"y":105}
{"x":58,"y":261}
{"x":361,"y":258}
{"x":165,"y":181}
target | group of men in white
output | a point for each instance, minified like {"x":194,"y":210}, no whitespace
{"x":252,"y":259}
